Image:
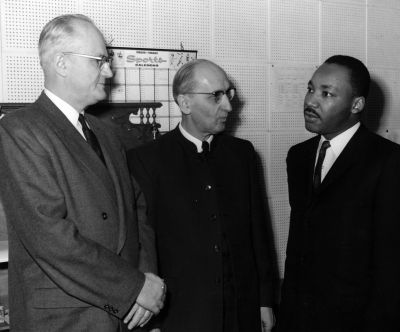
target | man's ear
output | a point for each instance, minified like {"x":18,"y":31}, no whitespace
{"x":60,"y":64}
{"x":184,"y":104}
{"x":358,"y":105}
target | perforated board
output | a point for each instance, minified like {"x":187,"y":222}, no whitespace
{"x":294,"y":31}
{"x":384,"y":3}
{"x":288,"y":88}
{"x":384,"y":103}
{"x":383,"y":37}
{"x":123,"y":22}
{"x":233,"y":22}
{"x":251,"y":81}
{"x":23,"y":77}
{"x":346,"y":2}
{"x":338,"y":19}
{"x":180,"y":22}
{"x":22,"y":21}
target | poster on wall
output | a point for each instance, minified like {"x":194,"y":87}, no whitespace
{"x":146,"y":76}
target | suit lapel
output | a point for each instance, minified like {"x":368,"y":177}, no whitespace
{"x":349,"y":156}
{"x":310,"y":160}
{"x":76,"y":144}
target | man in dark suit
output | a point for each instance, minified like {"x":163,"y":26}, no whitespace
{"x":73,"y":232}
{"x":342,"y":262}
{"x":204,"y":203}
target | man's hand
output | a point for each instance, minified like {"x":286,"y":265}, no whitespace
{"x":267,"y":319}
{"x":137,"y":316}
{"x":152,"y":295}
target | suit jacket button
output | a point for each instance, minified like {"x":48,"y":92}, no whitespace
{"x":104,"y":215}
{"x":208,"y":187}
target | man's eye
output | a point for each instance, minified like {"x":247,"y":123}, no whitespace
{"x":309,"y":90}
{"x":218,"y":95}
{"x":327,"y":94}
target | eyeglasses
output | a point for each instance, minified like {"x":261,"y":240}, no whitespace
{"x":101,"y":60}
{"x":230,"y":93}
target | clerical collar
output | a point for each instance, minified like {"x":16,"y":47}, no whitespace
{"x":193,"y":139}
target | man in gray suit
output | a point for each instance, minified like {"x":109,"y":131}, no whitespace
{"x":73,"y":231}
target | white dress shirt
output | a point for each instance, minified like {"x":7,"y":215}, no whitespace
{"x":338,"y":143}
{"x":71,"y":113}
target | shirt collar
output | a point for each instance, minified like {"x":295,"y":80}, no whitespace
{"x":71,"y":113}
{"x":339,"y":142}
{"x":193,"y":139}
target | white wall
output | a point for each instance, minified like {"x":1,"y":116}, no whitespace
{"x":269,"y":47}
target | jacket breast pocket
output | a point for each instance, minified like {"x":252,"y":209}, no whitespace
{"x":55,"y":298}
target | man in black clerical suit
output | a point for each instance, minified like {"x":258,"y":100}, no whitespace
{"x":342,"y":262}
{"x":204,"y":203}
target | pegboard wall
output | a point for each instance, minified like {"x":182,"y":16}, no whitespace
{"x":269,"y":48}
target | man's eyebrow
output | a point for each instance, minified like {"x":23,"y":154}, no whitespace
{"x":327,"y":86}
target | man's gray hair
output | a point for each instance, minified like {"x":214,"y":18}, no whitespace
{"x":57,"y":34}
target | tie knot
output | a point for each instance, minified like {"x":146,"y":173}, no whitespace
{"x":205,"y":146}
{"x":325,"y":145}
{"x":81,"y":119}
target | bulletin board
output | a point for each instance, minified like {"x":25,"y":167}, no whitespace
{"x":145,"y":76}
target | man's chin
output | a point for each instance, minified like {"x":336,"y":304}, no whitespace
{"x":311,"y":128}
{"x":101,"y":95}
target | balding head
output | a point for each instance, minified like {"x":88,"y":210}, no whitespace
{"x":185,"y":79}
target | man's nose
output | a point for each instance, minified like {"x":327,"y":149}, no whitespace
{"x":106,"y":70}
{"x":310,"y":100}
{"x":226,"y":103}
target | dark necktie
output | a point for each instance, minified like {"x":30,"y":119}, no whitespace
{"x":205,"y":146}
{"x":321,"y":156}
{"x":91,"y":138}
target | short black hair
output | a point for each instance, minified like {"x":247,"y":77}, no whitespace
{"x":359,"y":74}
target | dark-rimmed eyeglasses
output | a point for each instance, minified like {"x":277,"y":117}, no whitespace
{"x":101,"y":60}
{"x":230,"y":93}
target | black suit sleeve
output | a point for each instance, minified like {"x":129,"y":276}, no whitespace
{"x":260,"y":236}
{"x":147,"y":254}
{"x":384,"y":301}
